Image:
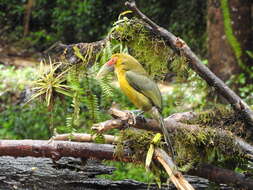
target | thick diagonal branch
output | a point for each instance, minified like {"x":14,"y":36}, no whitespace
{"x":195,"y":63}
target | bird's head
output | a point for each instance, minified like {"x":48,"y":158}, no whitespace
{"x":120,"y":61}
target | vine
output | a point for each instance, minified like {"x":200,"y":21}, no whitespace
{"x":229,"y":33}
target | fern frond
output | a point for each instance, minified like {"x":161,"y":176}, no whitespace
{"x":93,"y":108}
{"x":76,"y":105}
{"x":107,"y":90}
{"x":69,"y":121}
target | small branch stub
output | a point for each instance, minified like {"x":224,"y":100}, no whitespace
{"x":176,"y":177}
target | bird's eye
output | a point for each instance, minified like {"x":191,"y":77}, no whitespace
{"x":123,"y":63}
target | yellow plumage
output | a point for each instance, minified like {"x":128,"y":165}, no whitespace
{"x":138,"y":87}
{"x":137,"y":98}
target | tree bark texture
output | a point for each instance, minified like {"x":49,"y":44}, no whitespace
{"x":222,"y":58}
{"x":69,"y":174}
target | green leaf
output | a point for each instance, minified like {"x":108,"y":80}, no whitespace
{"x":124,"y":13}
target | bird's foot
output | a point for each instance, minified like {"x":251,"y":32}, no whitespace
{"x":131,"y":118}
{"x":133,"y":115}
{"x":137,"y":113}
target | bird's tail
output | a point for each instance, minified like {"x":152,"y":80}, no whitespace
{"x":156,"y":114}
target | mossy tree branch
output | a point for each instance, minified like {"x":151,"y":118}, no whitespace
{"x":124,"y":119}
{"x":181,"y":48}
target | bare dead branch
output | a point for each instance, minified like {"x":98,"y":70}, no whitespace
{"x":184,"y":116}
{"x":58,"y":149}
{"x":66,"y":52}
{"x":108,"y":125}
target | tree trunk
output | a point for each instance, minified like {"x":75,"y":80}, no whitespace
{"x":27,"y":15}
{"x":225,"y":58}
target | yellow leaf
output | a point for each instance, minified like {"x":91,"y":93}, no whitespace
{"x":157,"y":138}
{"x":149,"y":156}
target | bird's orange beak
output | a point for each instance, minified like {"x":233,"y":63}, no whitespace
{"x":112,"y":61}
{"x":106,"y":68}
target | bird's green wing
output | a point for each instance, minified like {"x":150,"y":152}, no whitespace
{"x":146,"y":86}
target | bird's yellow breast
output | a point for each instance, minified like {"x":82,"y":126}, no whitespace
{"x":138,"y":99}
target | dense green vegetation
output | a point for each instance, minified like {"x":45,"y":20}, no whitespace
{"x":85,"y":21}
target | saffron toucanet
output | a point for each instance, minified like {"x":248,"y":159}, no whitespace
{"x":138,"y":87}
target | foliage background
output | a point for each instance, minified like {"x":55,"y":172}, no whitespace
{"x":85,"y":21}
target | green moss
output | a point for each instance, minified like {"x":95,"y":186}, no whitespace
{"x":150,"y":50}
{"x":137,"y":141}
{"x":206,"y":145}
{"x":222,"y":117}
{"x":203,"y":145}
{"x":179,"y":66}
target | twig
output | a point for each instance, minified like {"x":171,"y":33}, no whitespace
{"x":108,"y":125}
{"x":124,"y":119}
{"x":195,"y":63}
{"x":184,"y":116}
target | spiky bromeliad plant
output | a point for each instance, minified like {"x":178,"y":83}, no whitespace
{"x":50,"y":83}
{"x":77,"y":82}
